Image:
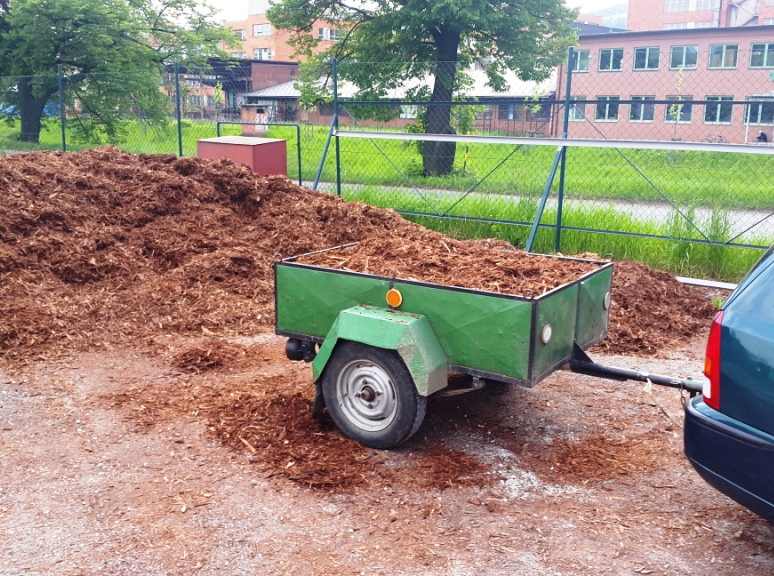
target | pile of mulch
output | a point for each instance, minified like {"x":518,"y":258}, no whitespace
{"x":475,"y":264}
{"x":103,"y":247}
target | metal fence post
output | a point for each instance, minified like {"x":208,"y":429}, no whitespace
{"x":60,"y":80}
{"x":336,"y":123}
{"x":565,"y":134}
{"x":178,"y":111}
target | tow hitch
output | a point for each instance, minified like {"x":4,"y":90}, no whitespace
{"x":582,"y":364}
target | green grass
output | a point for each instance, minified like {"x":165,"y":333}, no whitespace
{"x":705,"y":178}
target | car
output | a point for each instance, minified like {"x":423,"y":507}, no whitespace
{"x":729,"y":428}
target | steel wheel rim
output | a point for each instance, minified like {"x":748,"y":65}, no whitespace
{"x":367,"y":395}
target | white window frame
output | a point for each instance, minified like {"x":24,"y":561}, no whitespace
{"x":647,"y":67}
{"x":331,"y":34}
{"x":725,"y":49}
{"x":683,"y":65}
{"x":761,"y":119}
{"x":577,"y":111}
{"x":612,"y":52}
{"x":768,"y":55}
{"x":718,"y":107}
{"x":705,"y":5}
{"x":581,"y":58}
{"x":262,"y":54}
{"x":646,"y":108}
{"x":677,"y":5}
{"x":607,"y":102}
{"x":685,"y":111}
{"x":261,"y":30}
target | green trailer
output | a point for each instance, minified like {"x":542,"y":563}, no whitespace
{"x":380,"y":346}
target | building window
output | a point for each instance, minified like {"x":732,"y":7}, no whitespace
{"x":762,"y":56}
{"x":678,"y":112}
{"x":486,"y":113}
{"x":240,"y":55}
{"x":329,"y":34}
{"x":607,"y":108}
{"x":719,"y":113}
{"x":409,"y":111}
{"x":580,"y":61}
{"x":760,"y":113}
{"x":261,"y":29}
{"x":768,"y":21}
{"x":677,"y":5}
{"x":690,"y":25}
{"x":241,"y":35}
{"x":723,"y":55}
{"x":769,"y":2}
{"x":509,"y":112}
{"x":642,"y":109}
{"x":577,"y":111}
{"x":646,"y":58}
{"x":610,"y":59}
{"x":684,"y":57}
{"x":261,"y":53}
{"x":690,"y":5}
{"x":538,"y":112}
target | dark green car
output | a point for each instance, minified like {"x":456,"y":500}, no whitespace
{"x":729,"y":429}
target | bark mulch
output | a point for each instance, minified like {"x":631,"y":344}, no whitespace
{"x":102,"y":247}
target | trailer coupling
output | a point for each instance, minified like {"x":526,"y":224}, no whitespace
{"x":582,"y":364}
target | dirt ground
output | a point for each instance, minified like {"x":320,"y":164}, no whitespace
{"x":115,"y":462}
{"x":151,"y":424}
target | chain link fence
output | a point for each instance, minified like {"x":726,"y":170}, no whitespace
{"x":680,"y":162}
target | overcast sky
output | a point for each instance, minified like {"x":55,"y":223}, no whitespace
{"x":237,"y":9}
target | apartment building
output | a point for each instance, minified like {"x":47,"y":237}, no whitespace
{"x":688,"y":14}
{"x":700,"y":84}
{"x":262,"y":41}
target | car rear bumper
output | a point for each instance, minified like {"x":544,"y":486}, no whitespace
{"x":736,"y":461}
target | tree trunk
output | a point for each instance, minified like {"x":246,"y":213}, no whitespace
{"x":438,"y":157}
{"x":31,"y":109}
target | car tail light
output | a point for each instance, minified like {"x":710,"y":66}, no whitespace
{"x":711,"y":391}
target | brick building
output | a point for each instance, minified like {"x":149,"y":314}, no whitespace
{"x":261,"y":41}
{"x":687,"y":14}
{"x":700,"y":84}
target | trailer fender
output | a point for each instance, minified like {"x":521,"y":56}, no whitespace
{"x":409,"y":334}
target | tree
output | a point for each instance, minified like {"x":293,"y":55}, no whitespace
{"x":112,"y":53}
{"x":441,"y":38}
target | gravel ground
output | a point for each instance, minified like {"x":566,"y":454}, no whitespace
{"x":105,"y":471}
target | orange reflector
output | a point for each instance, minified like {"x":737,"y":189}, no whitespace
{"x":394,"y":298}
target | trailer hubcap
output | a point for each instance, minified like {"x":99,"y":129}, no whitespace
{"x":367,"y":395}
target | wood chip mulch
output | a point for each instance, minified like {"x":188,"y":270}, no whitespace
{"x":103,"y":246}
{"x":102,"y":249}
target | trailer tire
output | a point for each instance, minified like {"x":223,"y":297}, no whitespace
{"x":371,"y":396}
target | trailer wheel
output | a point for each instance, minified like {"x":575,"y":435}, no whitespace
{"x":371,"y":396}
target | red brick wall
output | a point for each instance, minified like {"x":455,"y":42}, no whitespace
{"x":277,"y":41}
